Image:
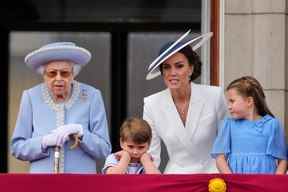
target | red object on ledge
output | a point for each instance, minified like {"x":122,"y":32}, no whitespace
{"x":139,"y":183}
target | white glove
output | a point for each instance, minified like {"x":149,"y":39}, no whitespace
{"x":65,"y":131}
{"x":51,"y":140}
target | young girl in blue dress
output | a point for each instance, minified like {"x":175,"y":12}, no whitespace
{"x":251,"y":140}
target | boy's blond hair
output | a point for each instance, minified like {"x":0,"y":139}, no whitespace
{"x":135,"y":129}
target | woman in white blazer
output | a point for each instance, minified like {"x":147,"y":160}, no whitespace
{"x":185,"y":115}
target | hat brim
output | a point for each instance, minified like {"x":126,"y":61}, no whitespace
{"x":153,"y":69}
{"x":40,"y":57}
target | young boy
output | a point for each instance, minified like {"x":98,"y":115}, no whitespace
{"x":135,"y":137}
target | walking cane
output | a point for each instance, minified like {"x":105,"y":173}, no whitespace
{"x":57,"y":150}
{"x":57,"y":159}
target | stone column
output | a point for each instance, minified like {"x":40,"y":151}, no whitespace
{"x":255,"y":41}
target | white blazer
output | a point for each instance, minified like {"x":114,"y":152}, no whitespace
{"x":188,"y":146}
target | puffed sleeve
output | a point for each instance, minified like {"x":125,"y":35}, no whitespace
{"x":23,"y":145}
{"x":155,"y":145}
{"x":222,"y":143}
{"x":276,"y":144}
{"x":96,"y":140}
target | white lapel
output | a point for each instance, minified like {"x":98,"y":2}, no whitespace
{"x":196,"y":105}
{"x":172,"y":116}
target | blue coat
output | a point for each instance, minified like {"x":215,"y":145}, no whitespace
{"x":37,"y":117}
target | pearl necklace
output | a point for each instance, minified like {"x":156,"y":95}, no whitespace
{"x":59,"y":109}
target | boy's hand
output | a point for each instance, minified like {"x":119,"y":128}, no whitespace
{"x":146,"y":157}
{"x":148,"y":164}
{"x":122,"y":155}
{"x":121,"y":168}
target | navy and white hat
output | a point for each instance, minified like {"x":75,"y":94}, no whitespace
{"x":55,"y":52}
{"x":172,"y":48}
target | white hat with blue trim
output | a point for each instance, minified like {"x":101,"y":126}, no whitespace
{"x":172,"y":48}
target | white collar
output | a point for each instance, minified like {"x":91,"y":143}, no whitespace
{"x":56,"y":106}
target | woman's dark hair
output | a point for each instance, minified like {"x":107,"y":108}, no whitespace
{"x":248,"y":86}
{"x":193,"y":59}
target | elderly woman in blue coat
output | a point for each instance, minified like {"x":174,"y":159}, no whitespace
{"x":56,"y":112}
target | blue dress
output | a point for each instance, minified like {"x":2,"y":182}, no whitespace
{"x":251,"y":146}
{"x":39,"y":115}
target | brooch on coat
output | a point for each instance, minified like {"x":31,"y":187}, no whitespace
{"x":83,"y":95}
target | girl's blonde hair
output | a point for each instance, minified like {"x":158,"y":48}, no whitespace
{"x":248,"y":86}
